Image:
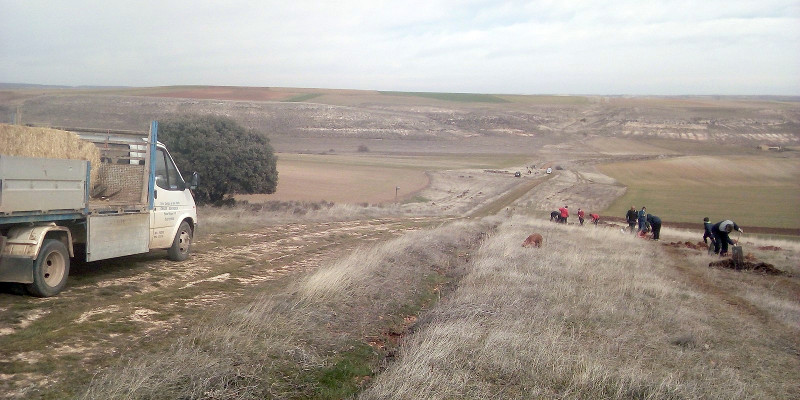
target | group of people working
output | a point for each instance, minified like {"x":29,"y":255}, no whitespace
{"x":719,"y":233}
{"x":563,"y":214}
{"x":643,"y":222}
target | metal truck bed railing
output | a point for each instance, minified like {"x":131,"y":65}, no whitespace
{"x":52,"y":189}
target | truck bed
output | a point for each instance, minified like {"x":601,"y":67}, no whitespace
{"x":33,"y":189}
{"x":42,"y":185}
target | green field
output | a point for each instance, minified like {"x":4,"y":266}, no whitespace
{"x":459,"y":97}
{"x":751,"y":190}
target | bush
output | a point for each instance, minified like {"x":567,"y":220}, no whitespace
{"x":229,"y":158}
{"x":363,"y":148}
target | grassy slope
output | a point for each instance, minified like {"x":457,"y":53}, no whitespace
{"x":752,"y":190}
{"x":596,"y":314}
{"x":593,"y":314}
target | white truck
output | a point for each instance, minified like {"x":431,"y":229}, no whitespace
{"x":51,"y":210}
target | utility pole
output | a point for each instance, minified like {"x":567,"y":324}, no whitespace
{"x":396,"y":189}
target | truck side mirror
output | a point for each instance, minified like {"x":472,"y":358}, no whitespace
{"x":193,"y":183}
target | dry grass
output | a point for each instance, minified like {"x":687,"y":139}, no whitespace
{"x":593,"y":314}
{"x":250,"y":216}
{"x":25,"y":141}
{"x":292,"y":341}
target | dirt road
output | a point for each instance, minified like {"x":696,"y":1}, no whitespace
{"x":132,"y":304}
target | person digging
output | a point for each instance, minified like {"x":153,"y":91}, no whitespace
{"x":721,"y":231}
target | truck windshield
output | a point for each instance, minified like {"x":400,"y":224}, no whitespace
{"x":167,"y":176}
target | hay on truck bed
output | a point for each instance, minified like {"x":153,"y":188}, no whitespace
{"x":26,"y":141}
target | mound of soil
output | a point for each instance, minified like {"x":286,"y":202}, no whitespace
{"x":771,"y":248}
{"x":763,"y":267}
{"x":689,"y":245}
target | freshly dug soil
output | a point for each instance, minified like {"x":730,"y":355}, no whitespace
{"x":771,"y":248}
{"x":689,"y":245}
{"x":763,"y":267}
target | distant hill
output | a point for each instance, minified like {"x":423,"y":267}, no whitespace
{"x":22,"y":86}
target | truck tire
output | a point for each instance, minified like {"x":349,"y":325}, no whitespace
{"x":50,"y":269}
{"x":181,"y":244}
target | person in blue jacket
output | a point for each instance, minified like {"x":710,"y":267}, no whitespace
{"x":721,"y":231}
{"x":655,"y":225}
{"x":642,"y":219}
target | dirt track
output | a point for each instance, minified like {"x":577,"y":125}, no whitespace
{"x":114,"y":307}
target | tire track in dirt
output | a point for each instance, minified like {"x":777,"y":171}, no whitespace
{"x":143,"y":298}
{"x":508,"y":198}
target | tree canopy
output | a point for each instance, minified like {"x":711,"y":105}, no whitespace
{"x":229,"y":158}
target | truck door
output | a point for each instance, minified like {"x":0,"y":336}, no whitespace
{"x":172,"y":201}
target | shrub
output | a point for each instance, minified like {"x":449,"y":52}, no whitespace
{"x":229,"y":158}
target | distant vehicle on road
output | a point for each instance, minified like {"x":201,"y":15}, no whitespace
{"x":549,"y":170}
{"x":517,"y":174}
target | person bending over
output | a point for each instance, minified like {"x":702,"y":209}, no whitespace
{"x":655,"y":225}
{"x":721,"y":231}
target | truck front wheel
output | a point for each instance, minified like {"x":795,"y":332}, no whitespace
{"x":180,"y":245}
{"x":50,"y":270}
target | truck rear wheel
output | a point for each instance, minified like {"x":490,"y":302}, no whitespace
{"x":181,"y":244}
{"x":50,"y":270}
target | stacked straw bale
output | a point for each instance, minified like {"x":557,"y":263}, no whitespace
{"x":25,"y":141}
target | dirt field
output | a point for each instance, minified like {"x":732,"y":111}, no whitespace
{"x":331,"y":178}
{"x":451,"y":159}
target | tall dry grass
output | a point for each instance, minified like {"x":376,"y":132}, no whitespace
{"x":592,"y":314}
{"x":277,"y":345}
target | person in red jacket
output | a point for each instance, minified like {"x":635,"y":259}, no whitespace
{"x":564,"y":214}
{"x":595,"y":218}
{"x":581,"y":214}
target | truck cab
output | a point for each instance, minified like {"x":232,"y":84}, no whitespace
{"x":174,"y":213}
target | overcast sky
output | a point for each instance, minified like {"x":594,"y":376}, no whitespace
{"x":526,"y":47}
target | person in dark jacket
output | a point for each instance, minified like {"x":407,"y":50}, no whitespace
{"x":655,"y":225}
{"x":721,"y":231}
{"x":632,"y":217}
{"x":707,"y":233}
{"x":642,"y":217}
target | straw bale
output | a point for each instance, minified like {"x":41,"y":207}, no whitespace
{"x":26,"y":141}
